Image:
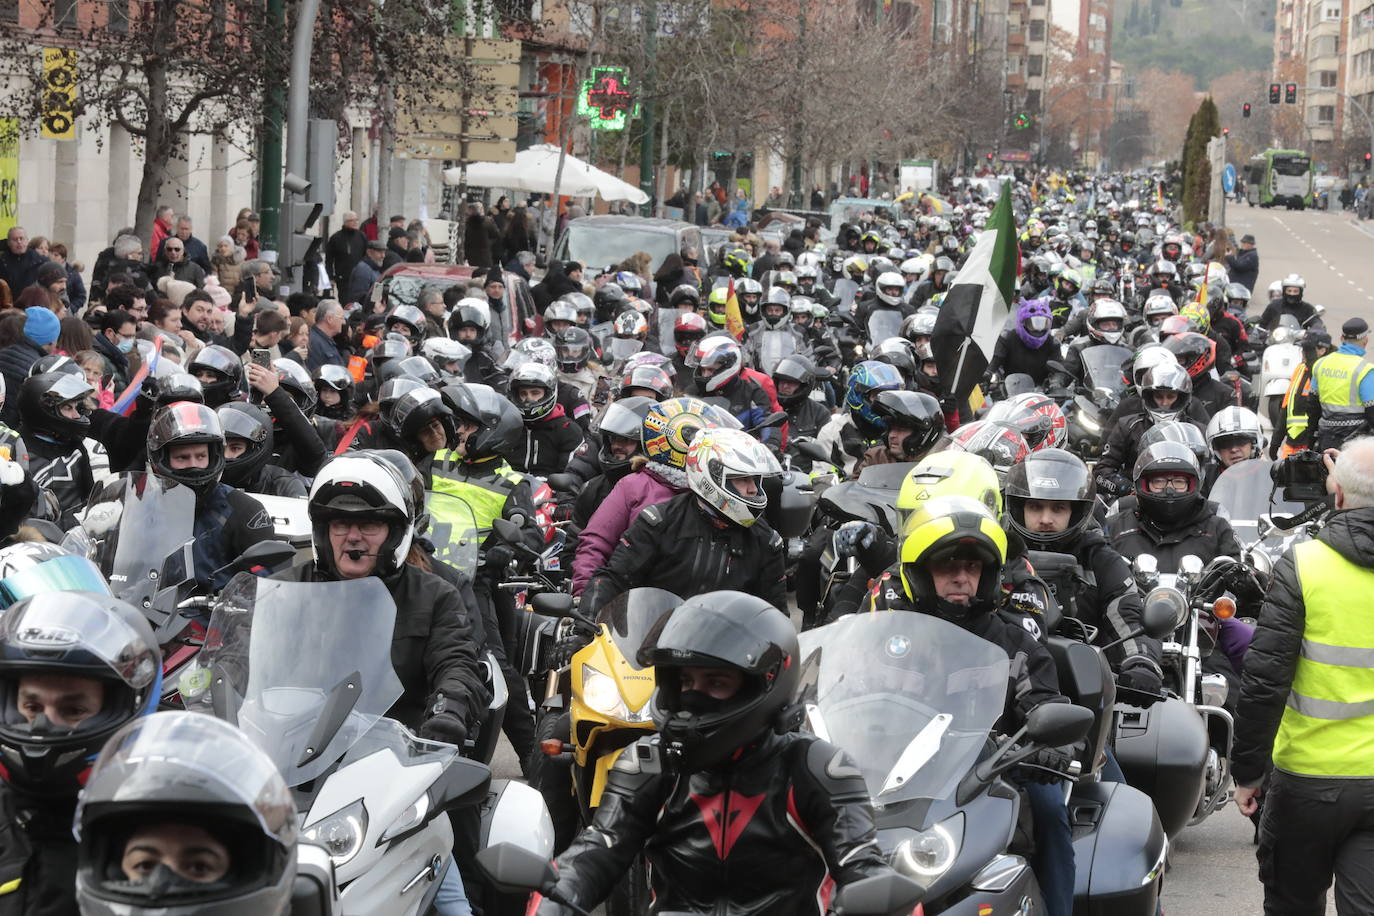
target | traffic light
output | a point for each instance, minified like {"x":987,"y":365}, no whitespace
{"x":1226,"y":131}
{"x":1290,"y":93}
{"x":301,"y":248}
{"x":1367,"y":158}
{"x":989,"y":157}
{"x":1274,"y":93}
{"x":1245,"y":110}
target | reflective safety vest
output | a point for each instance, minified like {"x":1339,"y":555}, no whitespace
{"x":1295,"y":402}
{"x":1328,"y":726}
{"x":486,"y":494}
{"x":1337,"y":377}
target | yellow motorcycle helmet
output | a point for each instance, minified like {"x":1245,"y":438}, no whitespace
{"x":715,"y":305}
{"x":945,"y":527}
{"x":950,"y":473}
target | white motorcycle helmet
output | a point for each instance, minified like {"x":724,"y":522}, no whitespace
{"x":718,"y":456}
{"x":1232,"y":423}
{"x":361,"y":486}
{"x":890,"y":287}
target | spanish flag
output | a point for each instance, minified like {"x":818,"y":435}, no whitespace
{"x":1159,"y":195}
{"x":734,"y":321}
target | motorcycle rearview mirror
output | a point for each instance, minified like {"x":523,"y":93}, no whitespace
{"x":465,"y":783}
{"x":1057,"y":366}
{"x":810,"y":448}
{"x":514,"y":869}
{"x":266,"y":553}
{"x":507,"y":531}
{"x":877,"y":896}
{"x":1057,"y":724}
{"x":552,"y":604}
{"x":566,"y":483}
{"x":770,"y":421}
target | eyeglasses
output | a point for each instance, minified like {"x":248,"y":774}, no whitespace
{"x":1161,"y":482}
{"x":367,"y":527}
{"x":171,"y":249}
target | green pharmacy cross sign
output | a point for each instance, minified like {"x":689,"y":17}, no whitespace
{"x":606,"y":99}
{"x":1021,"y":121}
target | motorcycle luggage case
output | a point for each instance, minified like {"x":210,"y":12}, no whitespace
{"x":1163,"y":752}
{"x":1119,"y":847}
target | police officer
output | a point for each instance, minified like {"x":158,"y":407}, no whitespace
{"x":1341,"y":404}
{"x":1304,"y":707}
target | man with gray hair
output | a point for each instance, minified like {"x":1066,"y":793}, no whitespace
{"x":329,"y":324}
{"x":344,"y":250}
{"x":1307,"y":707}
{"x":256,"y":284}
{"x":431,"y":302}
{"x":128,"y":259}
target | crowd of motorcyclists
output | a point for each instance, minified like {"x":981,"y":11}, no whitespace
{"x":636,"y":438}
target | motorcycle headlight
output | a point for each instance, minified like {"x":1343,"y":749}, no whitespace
{"x":929,"y":854}
{"x":341,"y":833}
{"x":1088,"y":423}
{"x":600,"y":692}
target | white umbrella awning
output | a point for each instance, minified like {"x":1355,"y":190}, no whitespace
{"x":534,"y":170}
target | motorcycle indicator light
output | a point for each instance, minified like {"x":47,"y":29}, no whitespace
{"x":551,"y":747}
{"x":1224,"y":608}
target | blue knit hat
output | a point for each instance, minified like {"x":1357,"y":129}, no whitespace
{"x":41,"y":325}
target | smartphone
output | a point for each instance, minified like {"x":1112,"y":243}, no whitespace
{"x":261,"y":357}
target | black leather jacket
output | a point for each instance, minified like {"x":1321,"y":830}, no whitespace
{"x":1204,"y":534}
{"x":676,"y":546}
{"x":37,"y":855}
{"x":759,"y":836}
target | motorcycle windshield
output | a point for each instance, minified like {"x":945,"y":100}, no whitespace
{"x":153,"y":557}
{"x":883,"y":324}
{"x":1243,"y":491}
{"x":305,"y":709}
{"x":773,"y":348}
{"x":911,"y":698}
{"x":845,"y":290}
{"x":631,"y":615}
{"x":1102,"y":367}
{"x":667,"y":320}
{"x":453,"y":531}
{"x":622,"y":348}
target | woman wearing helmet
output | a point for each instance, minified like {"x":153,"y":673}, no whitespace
{"x":666,"y":432}
{"x":75,"y":666}
{"x":1165,"y":395}
{"x":184,"y":814}
{"x":1171,"y":518}
{"x":186,"y":448}
{"x":950,"y":566}
{"x":1050,"y":498}
{"x":550,"y":435}
{"x":727,"y":665}
{"x":1025,"y":348}
{"x":710,"y":536}
{"x":688,"y":329}
{"x":362,"y":523}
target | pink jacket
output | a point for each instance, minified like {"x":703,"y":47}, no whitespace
{"x":648,"y":486}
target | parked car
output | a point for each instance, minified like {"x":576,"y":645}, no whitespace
{"x":595,"y":241}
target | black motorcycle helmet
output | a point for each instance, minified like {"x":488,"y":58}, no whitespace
{"x":684,"y":294}
{"x":1051,"y":475}
{"x":70,"y":634}
{"x":723,"y":629}
{"x":390,"y":347}
{"x":623,"y":418}
{"x":1173,"y":505}
{"x":573,"y":347}
{"x":186,"y":423}
{"x":220,"y":372}
{"x":175,"y":386}
{"x":41,"y":402}
{"x":500,"y":430}
{"x":610,"y":300}
{"x":795,"y":368}
{"x":916,"y":410}
{"x":339,"y":380}
{"x":251,"y":425}
{"x":415,"y":410}
{"x":900,"y":354}
{"x":420,"y":369}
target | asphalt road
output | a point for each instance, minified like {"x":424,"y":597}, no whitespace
{"x":1212,"y":866}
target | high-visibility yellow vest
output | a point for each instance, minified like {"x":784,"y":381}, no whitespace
{"x":486,"y":495}
{"x":1337,"y":377}
{"x":1295,"y":402}
{"x":1328,"y":727}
